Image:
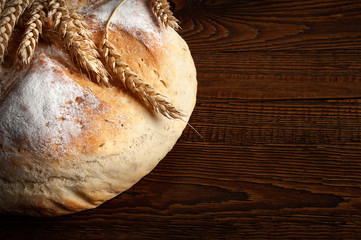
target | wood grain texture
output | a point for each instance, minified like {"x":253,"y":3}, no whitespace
{"x":279,"y":108}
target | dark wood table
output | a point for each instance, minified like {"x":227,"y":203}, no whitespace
{"x":279,"y":108}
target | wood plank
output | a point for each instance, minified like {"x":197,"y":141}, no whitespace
{"x":268,"y":25}
{"x":278,"y":87}
{"x":280,"y":75}
{"x":244,"y":122}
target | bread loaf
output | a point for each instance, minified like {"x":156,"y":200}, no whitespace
{"x":68,"y":143}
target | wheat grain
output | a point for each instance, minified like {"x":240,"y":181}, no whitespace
{"x":131,"y":82}
{"x":33,"y":29}
{"x":73,"y":29}
{"x":11,"y":14}
{"x":161,"y":10}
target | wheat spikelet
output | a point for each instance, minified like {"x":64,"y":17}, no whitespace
{"x":73,"y":29}
{"x":2,"y":5}
{"x":134,"y":84}
{"x":33,"y":29}
{"x":11,"y":14}
{"x":161,"y":10}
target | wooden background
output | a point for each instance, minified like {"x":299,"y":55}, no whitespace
{"x":279,"y":106}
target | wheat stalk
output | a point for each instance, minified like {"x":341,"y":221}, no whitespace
{"x":131,"y":81}
{"x":161,"y":10}
{"x":73,"y":29}
{"x":9,"y":17}
{"x":34,"y":27}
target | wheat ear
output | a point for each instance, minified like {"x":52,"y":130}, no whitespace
{"x":34,"y":27}
{"x":131,"y":81}
{"x":72,"y":27}
{"x":9,"y":17}
{"x":161,"y":10}
{"x":134,"y":84}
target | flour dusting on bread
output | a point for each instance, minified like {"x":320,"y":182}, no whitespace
{"x":43,"y":110}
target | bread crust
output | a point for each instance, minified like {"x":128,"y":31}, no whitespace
{"x":68,"y":144}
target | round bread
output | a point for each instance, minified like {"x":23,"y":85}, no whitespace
{"x":68,"y":144}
